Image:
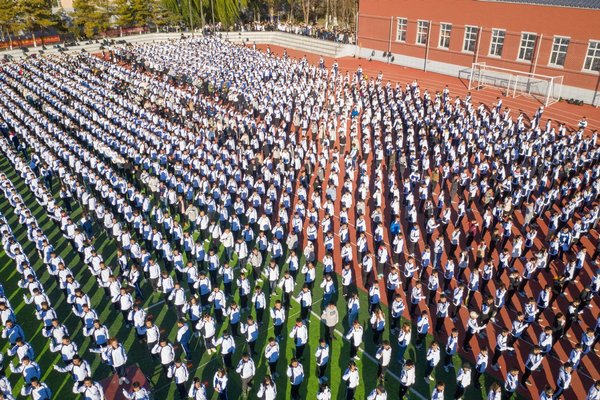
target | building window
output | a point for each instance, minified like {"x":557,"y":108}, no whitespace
{"x":497,"y":43}
{"x":470,"y":38}
{"x":559,"y":51}
{"x":527,"y":46}
{"x":422,"y":32}
{"x":401,"y":29}
{"x":445,"y":30}
{"x":592,"y":59}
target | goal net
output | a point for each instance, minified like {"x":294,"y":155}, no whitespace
{"x":545,"y":89}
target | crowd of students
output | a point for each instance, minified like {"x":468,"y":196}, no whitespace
{"x":438,"y":208}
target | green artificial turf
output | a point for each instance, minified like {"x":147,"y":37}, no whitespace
{"x":203,"y":365}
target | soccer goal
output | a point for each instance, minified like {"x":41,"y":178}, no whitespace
{"x":545,"y":89}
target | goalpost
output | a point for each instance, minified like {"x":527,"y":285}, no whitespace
{"x":545,"y":89}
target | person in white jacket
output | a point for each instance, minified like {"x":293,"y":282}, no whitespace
{"x":463,"y":380}
{"x":138,"y":392}
{"x":247,"y":370}
{"x":355,"y":335}
{"x":378,"y":393}
{"x":352,"y":379}
{"x":197,"y":390}
{"x":117,"y":358}
{"x":324,"y":392}
{"x":90,"y":390}
{"x":267,"y":389}
{"x":407,"y":378}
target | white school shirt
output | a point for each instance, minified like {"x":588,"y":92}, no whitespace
{"x":352,"y":378}
{"x":300,"y":334}
{"x":94,"y":392}
{"x":355,"y":335}
{"x":384,"y":356}
{"x":117,"y":357}
{"x":246,"y":369}
{"x":166,"y":353}
{"x":179,"y":374}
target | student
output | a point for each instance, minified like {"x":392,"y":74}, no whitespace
{"x":117,"y":358}
{"x":451,"y":349}
{"x":295,"y":372}
{"x":383,"y":357}
{"x":322,"y":356}
{"x":355,"y":336}
{"x":534,"y":360}
{"x":267,"y":389}
{"x":272,"y":356}
{"x":197,"y":390}
{"x":438,"y":391}
{"x":352,"y":379}
{"x":220,"y":380}
{"x":511,"y":383}
{"x":463,"y":380}
{"x":378,"y":393}
{"x":179,"y":373}
{"x":247,"y":370}
{"x":433,"y":359}
{"x":300,"y":335}
{"x":407,"y":378}
{"x":140,"y":393}
{"x":480,"y":366}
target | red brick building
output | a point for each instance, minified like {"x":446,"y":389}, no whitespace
{"x":549,"y":37}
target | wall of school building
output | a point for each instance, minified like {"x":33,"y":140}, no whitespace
{"x":431,"y":35}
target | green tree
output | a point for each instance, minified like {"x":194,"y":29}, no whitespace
{"x":124,"y":13}
{"x":228,"y":11}
{"x":89,"y":17}
{"x":34,"y":15}
{"x":161,"y":15}
{"x":8,"y":13}
{"x":142,"y":12}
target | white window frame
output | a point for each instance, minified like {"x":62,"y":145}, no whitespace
{"x":557,"y":48}
{"x":443,"y":37}
{"x":403,"y":30}
{"x":524,"y":49}
{"x":422,"y":32}
{"x":497,"y":41}
{"x":471,"y":36}
{"x":595,"y":57}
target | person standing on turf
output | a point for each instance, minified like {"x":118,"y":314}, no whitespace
{"x":438,"y":391}
{"x":378,"y":393}
{"x":463,"y":380}
{"x":511,"y":383}
{"x":179,"y":373}
{"x":227,"y":344}
{"x":330,"y":317}
{"x":480,"y":367}
{"x":355,"y":335}
{"x":197,"y":390}
{"x":322,"y":356}
{"x":383,"y":356}
{"x":272,"y":356}
{"x":407,"y":378}
{"x":451,"y":349}
{"x":352,"y":379}
{"x":295,"y":372}
{"x":117,"y":358}
{"x":278,"y":319}
{"x":250,"y":332}
{"x":433,"y":359}
{"x":166,"y":354}
{"x":267,"y":389}
{"x":220,"y":383}
{"x":300,"y":335}
{"x":247,"y":370}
